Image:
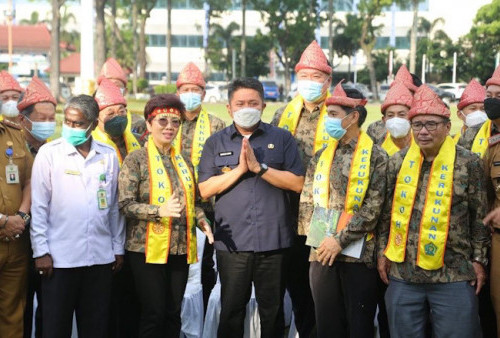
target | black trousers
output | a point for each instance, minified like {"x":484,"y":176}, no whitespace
{"x":34,"y":288}
{"x":160,"y":288}
{"x":125,"y":306}
{"x":237,"y":271}
{"x":208,"y":275}
{"x":345,"y":297}
{"x":85,"y":291}
{"x":297,"y":284}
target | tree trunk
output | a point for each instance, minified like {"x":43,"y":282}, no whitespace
{"x":243,"y":38}
{"x":169,"y":41}
{"x":100,"y":35}
{"x":54,"y":48}
{"x":373,"y":77}
{"x":142,"y":47}
{"x":413,"y":37}
{"x":330,"y":30}
{"x":134,"y":43}
{"x":114,"y":28}
{"x":349,"y":70}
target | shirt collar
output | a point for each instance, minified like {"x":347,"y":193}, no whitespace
{"x":232,"y":131}
{"x":71,"y":149}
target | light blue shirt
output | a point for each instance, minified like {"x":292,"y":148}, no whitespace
{"x":66,"y":220}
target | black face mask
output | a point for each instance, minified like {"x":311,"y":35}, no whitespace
{"x":492,"y":108}
{"x":116,"y":126}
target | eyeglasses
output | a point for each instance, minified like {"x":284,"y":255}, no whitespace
{"x":164,"y":121}
{"x":429,"y":125}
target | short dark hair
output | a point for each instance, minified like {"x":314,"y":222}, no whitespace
{"x":163,"y":101}
{"x":356,"y":94}
{"x":245,"y":82}
{"x":84,"y":104}
{"x":416,"y":80}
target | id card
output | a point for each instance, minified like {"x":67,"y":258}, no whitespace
{"x":12,"y":174}
{"x":102,"y":200}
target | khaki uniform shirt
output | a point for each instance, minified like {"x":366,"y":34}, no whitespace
{"x":12,"y":194}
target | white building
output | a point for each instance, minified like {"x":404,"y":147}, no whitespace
{"x":188,"y":21}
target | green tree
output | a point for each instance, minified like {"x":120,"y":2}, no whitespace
{"x":346,"y":39}
{"x":414,"y":29}
{"x":368,"y":11}
{"x":291,"y":25}
{"x":221,"y":43}
{"x":258,"y":48}
{"x":480,"y":46}
{"x":33,"y":20}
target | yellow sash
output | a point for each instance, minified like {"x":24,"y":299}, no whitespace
{"x":358,"y":176}
{"x":202,"y":132}
{"x":480,"y":144}
{"x":390,"y":147}
{"x":290,"y":119}
{"x":158,"y":233}
{"x":131,"y":142}
{"x":435,"y":220}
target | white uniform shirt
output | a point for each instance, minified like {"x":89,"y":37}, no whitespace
{"x":66,"y":221}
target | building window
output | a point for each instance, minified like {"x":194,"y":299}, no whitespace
{"x":182,"y":41}
{"x":383,"y":42}
{"x":179,"y":4}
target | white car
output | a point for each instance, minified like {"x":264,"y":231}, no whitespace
{"x":455,"y":88}
{"x":215,"y":93}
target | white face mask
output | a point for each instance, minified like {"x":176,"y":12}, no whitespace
{"x":9,"y":108}
{"x":475,"y":118}
{"x":398,"y":127}
{"x":247,"y":117}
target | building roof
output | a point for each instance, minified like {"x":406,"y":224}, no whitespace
{"x":70,"y":65}
{"x":26,"y":38}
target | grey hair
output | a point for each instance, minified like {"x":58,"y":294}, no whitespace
{"x":84,"y":104}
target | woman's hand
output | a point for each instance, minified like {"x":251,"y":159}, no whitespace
{"x":172,"y":208}
{"x":207,"y":230}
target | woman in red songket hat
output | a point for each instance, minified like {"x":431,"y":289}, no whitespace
{"x":158,"y":195}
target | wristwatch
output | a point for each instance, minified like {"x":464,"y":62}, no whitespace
{"x":2,"y":224}
{"x":263,"y":169}
{"x":26,"y":217}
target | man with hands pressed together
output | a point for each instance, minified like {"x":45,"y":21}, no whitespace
{"x":248,"y":167}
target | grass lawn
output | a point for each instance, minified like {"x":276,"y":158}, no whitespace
{"x":220,"y":110}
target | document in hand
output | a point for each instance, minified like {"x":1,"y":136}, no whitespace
{"x":327,"y":222}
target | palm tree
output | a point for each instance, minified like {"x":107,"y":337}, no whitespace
{"x":55,"y":56}
{"x":243,"y":38}
{"x":33,"y":20}
{"x":100,"y":34}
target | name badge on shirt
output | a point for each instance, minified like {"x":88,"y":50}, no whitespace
{"x":102,"y":199}
{"x":72,"y":172}
{"x":12,"y":174}
{"x":225,"y":153}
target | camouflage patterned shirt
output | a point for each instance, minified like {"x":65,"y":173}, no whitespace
{"x":377,"y":131}
{"x":364,"y":221}
{"x":305,"y":131}
{"x":467,"y":138}
{"x":468,"y":238}
{"x":188,"y":128}
{"x":133,"y":200}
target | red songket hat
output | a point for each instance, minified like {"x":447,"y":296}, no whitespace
{"x":473,"y":93}
{"x":108,"y":94}
{"x":36,"y":92}
{"x":427,"y":102}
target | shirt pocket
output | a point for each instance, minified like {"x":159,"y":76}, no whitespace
{"x":274,"y":158}
{"x":224,"y":163}
{"x":495,"y":179}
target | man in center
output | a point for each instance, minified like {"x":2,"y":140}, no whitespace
{"x":249,"y":167}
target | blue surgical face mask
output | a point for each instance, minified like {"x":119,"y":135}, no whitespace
{"x":75,"y":136}
{"x":310,"y":90}
{"x":41,"y":131}
{"x":333,"y":126}
{"x":192,"y":101}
